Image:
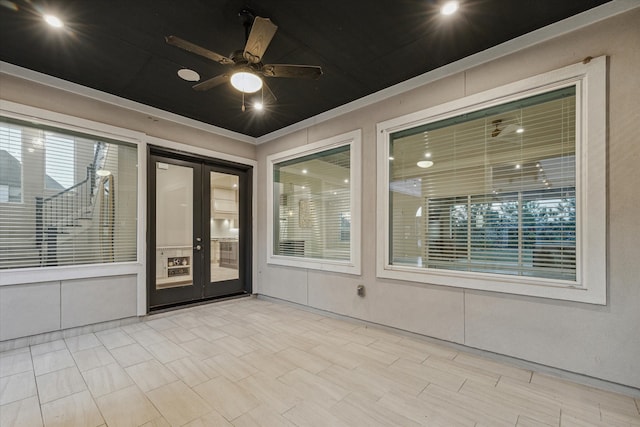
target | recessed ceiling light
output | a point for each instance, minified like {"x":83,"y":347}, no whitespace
{"x":258,"y":105}
{"x":103,"y":172}
{"x":304,"y":171}
{"x":54,"y":21}
{"x":427,"y":155}
{"x":518,"y":166}
{"x":520,"y":130}
{"x":449,"y":8}
{"x":188,"y":75}
{"x":346,"y":181}
{"x":425,"y":164}
{"x":391,"y":158}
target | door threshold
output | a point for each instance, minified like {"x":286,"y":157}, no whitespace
{"x":188,"y":304}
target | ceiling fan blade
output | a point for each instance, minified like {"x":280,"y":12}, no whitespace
{"x":212,"y":82}
{"x":269,"y":97}
{"x":262,"y":32}
{"x":292,"y":71}
{"x":198,"y":50}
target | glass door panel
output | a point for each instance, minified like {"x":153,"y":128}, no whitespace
{"x":225,"y":227}
{"x":174,"y":226}
{"x":200,"y":230}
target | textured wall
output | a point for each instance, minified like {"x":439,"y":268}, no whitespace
{"x":37,"y":308}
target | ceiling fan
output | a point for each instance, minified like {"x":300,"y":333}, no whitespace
{"x":246,"y":65}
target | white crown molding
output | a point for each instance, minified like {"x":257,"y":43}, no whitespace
{"x":541,"y":35}
{"x":67,"y":86}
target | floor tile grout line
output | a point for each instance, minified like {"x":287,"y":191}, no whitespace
{"x":33,"y":369}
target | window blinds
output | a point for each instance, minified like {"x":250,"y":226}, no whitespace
{"x":312,"y":206}
{"x":65,"y":198}
{"x":491,"y":191}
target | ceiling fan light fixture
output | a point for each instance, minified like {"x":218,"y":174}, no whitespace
{"x":449,"y":8}
{"x":53,"y":21}
{"x":246,"y":82}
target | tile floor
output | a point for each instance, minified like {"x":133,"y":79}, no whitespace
{"x":250,"y":362}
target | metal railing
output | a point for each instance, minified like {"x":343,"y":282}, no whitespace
{"x":62,"y":210}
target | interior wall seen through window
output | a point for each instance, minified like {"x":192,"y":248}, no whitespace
{"x":312,"y":204}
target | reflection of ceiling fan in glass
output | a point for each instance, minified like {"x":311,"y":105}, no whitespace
{"x":247,"y":66}
{"x":501,"y":131}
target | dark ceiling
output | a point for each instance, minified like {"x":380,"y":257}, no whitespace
{"x":118,"y":47}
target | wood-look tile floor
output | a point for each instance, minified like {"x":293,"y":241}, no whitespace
{"x":250,"y":362}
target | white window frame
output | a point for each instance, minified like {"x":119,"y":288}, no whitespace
{"x":590,"y":285}
{"x":74,"y":124}
{"x":353,"y":265}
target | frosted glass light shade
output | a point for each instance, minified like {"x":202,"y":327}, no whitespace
{"x":246,"y":82}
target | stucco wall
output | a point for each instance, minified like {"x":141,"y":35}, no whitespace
{"x":599,"y":341}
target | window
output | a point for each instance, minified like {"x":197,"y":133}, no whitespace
{"x":315,"y":199}
{"x":496,"y":191}
{"x":77,"y":194}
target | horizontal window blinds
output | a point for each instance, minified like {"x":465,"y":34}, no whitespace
{"x":65,"y":198}
{"x":492,"y":191}
{"x":312,"y":206}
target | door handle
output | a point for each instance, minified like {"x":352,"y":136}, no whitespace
{"x":197,"y":247}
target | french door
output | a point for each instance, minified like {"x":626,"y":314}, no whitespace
{"x":199,"y":229}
